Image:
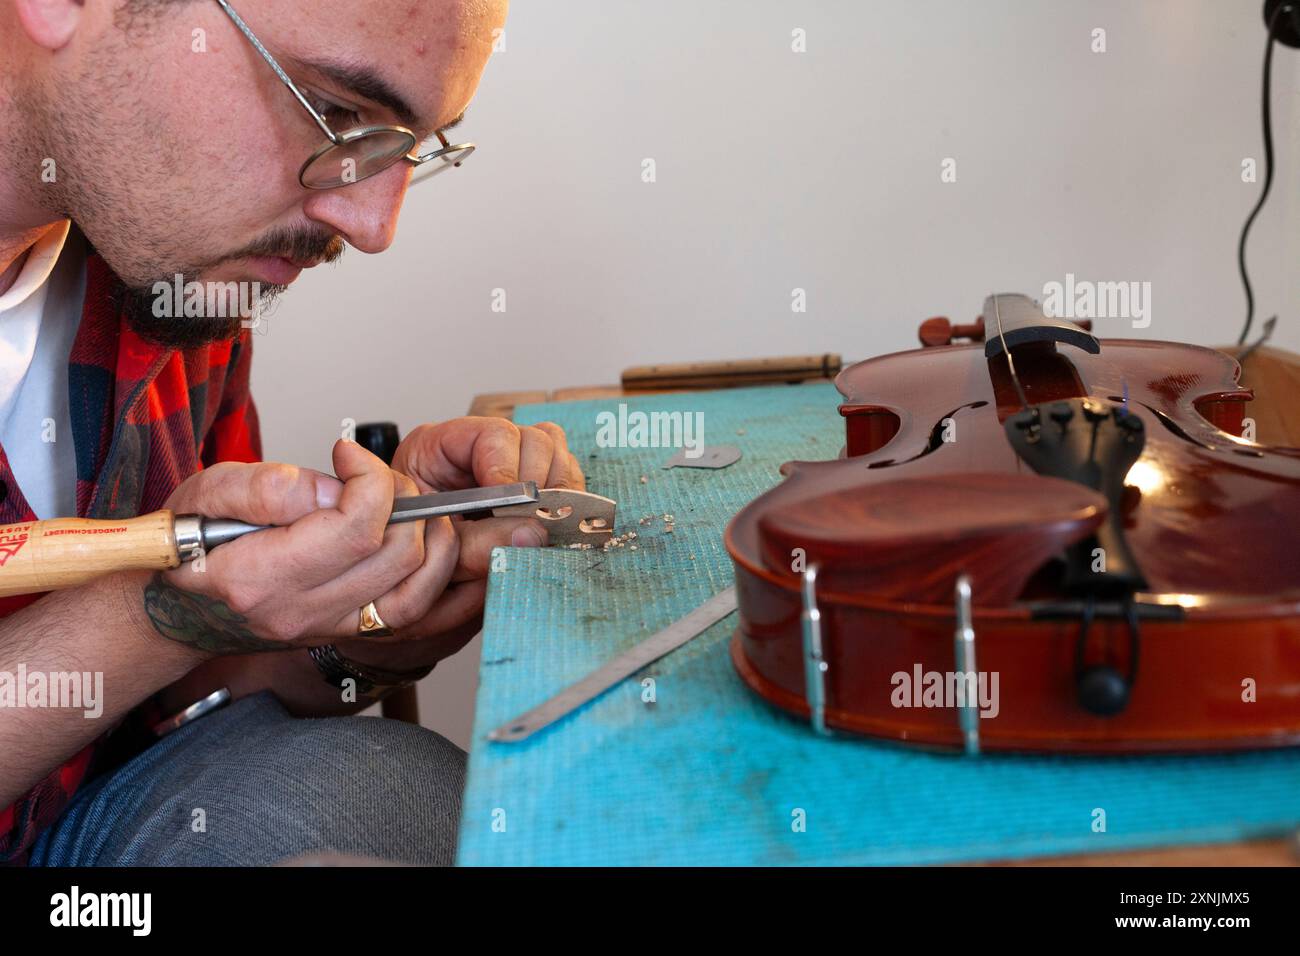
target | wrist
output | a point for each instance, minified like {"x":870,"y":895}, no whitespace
{"x":124,"y":594}
{"x":397,"y":656}
{"x":369,"y":680}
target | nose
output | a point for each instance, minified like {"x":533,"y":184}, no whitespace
{"x":363,"y":213}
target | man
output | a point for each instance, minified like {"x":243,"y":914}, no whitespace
{"x":154,"y":142}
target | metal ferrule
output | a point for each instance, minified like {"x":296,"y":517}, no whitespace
{"x":189,"y":536}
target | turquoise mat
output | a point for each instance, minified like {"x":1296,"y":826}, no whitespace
{"x":709,"y":774}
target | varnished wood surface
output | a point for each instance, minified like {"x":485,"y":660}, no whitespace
{"x":1274,"y":374}
{"x":1216,"y":523}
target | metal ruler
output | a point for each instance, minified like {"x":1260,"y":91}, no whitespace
{"x":625,"y":665}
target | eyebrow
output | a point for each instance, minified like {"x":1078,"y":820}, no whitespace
{"x":368,"y":84}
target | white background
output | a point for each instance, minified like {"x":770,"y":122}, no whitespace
{"x":779,"y":170}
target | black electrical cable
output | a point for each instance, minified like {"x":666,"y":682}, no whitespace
{"x":1266,"y":105}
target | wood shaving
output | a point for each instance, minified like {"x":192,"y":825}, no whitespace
{"x":619,"y":541}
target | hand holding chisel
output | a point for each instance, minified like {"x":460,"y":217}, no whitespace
{"x":66,"y":552}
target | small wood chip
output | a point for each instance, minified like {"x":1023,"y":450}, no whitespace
{"x":618,"y":541}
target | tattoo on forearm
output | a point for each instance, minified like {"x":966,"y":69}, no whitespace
{"x":200,"y":621}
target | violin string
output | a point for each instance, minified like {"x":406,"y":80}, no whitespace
{"x":1011,"y":363}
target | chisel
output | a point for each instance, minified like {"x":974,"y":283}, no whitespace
{"x":65,"y":552}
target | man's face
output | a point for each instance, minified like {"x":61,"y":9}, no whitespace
{"x":178,"y":148}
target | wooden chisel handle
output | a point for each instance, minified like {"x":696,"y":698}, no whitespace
{"x":65,"y":552}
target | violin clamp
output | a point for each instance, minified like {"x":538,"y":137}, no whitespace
{"x":964,"y":664}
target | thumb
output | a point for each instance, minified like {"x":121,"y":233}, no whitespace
{"x":478,"y":538}
{"x":259,"y":493}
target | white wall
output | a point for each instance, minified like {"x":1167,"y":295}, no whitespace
{"x":778,"y":170}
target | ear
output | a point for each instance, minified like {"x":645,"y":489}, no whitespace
{"x":49,"y":23}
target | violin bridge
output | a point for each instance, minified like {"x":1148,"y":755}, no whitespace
{"x":570,"y":517}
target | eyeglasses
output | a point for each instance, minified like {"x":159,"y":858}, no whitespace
{"x":362,"y":152}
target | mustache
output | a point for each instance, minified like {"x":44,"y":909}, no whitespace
{"x":296,"y":245}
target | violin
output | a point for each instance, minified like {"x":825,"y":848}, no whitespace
{"x":1034,"y":540}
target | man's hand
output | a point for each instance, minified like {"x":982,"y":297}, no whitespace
{"x":472,"y":453}
{"x":477,"y":452}
{"x":466,"y":452}
{"x":303,"y":582}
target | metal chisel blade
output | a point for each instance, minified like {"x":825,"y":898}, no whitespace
{"x":216,"y":531}
{"x":625,"y":665}
{"x":419,"y":507}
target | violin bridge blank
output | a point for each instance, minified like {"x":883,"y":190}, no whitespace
{"x":570,"y":517}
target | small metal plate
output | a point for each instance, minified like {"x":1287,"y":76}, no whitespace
{"x":711,"y":456}
{"x":570,"y":517}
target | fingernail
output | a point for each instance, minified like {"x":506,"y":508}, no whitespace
{"x":527,"y":536}
{"x":327,"y":491}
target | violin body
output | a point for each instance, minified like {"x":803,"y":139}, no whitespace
{"x":1130,"y":566}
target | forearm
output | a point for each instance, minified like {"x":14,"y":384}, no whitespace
{"x":101,"y":637}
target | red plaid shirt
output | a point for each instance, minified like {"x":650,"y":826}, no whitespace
{"x":144,"y":418}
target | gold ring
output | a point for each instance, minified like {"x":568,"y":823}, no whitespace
{"x":372,"y":625}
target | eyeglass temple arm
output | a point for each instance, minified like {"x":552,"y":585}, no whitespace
{"x":416,"y":159}
{"x":284,"y":77}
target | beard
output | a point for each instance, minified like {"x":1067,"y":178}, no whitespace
{"x":171,"y":327}
{"x":175,"y":330}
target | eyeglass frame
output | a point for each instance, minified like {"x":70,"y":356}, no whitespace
{"x":342,"y":139}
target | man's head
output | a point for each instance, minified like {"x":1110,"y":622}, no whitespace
{"x":176,"y":148}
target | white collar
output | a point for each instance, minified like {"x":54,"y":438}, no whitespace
{"x":41,"y":258}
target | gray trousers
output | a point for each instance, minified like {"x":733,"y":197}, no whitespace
{"x":249,"y":785}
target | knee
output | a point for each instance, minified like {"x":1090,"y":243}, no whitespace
{"x":367,"y":786}
{"x":357,"y":786}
